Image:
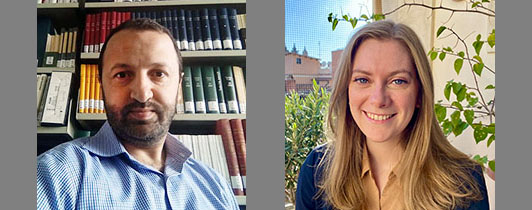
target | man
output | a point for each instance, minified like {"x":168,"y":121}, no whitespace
{"x":132,"y":162}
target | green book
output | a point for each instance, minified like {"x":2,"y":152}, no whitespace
{"x":220,"y":89}
{"x":209,"y":89}
{"x":187,"y":86}
{"x":229,"y":89}
{"x":197,"y":82}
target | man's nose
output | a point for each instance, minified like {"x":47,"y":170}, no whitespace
{"x":141,"y":89}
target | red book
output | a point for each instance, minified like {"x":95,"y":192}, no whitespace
{"x":118,"y":18}
{"x":128,"y":16}
{"x":97,"y":31}
{"x":124,"y":18}
{"x":113,"y":19}
{"x":240,"y":147}
{"x":109,"y":22}
{"x":244,"y":127}
{"x":103,"y":29}
{"x":223,"y":128}
{"x":86,"y":37}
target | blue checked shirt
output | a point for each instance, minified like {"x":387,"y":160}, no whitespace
{"x":98,"y":173}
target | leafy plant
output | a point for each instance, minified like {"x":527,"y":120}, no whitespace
{"x":304,"y":130}
{"x":466,"y":105}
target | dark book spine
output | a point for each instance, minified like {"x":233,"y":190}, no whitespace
{"x":103,"y":27}
{"x":233,"y":23}
{"x":133,"y":15}
{"x":91,"y":33}
{"x":183,"y":30}
{"x":190,"y":30}
{"x":163,"y":17}
{"x":197,"y":30}
{"x":175,"y":29}
{"x":240,"y":148}
{"x":220,"y":89}
{"x":86,"y":36}
{"x":206,"y":29}
{"x":215,"y":30}
{"x":225,"y":30}
{"x":209,"y":89}
{"x":229,"y":89}
{"x":97,"y":31}
{"x":188,"y":92}
{"x":199,"y":97}
{"x":169,"y":26}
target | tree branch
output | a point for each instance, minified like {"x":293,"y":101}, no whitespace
{"x":439,"y":8}
{"x":450,"y":53}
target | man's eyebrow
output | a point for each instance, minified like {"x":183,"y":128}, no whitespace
{"x":120,"y":65}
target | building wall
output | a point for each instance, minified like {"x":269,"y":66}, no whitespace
{"x":335,"y":57}
{"x":425,"y":23}
{"x":304,"y":72}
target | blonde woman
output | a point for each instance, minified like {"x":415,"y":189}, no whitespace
{"x":387,"y":150}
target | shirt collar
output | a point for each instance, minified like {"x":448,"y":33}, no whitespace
{"x":106,"y":144}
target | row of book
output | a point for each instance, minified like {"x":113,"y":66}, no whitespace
{"x":199,"y":29}
{"x":56,"y":1}
{"x":55,"y":49}
{"x":213,"y":89}
{"x":53,"y":98}
{"x":90,"y":90}
{"x":225,"y":152}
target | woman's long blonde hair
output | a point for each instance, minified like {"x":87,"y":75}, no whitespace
{"x":436,"y":175}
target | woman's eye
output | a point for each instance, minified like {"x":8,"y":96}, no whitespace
{"x":361,"y":80}
{"x":399,"y":82}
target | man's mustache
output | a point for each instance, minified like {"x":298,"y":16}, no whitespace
{"x":149,"y":105}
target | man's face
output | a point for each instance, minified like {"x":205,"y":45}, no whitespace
{"x":140,"y":81}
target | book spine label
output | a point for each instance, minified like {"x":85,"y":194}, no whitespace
{"x":189,"y":107}
{"x":244,"y":182}
{"x":236,"y":183}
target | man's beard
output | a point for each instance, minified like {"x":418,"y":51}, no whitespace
{"x":141,"y":133}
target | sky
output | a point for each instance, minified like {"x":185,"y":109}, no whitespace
{"x":306,"y":25}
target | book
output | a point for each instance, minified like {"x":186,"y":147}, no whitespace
{"x":240,"y":87}
{"x":233,"y":25}
{"x":215,"y":30}
{"x":82,"y":78}
{"x":62,"y":48}
{"x":182,"y":30}
{"x":240,"y":147}
{"x":225,"y":31}
{"x":51,"y":55}
{"x":196,"y":22}
{"x":56,"y":108}
{"x":44,"y":30}
{"x":190,"y":30}
{"x":92,"y":88}
{"x":229,"y":89}
{"x":175,"y":28}
{"x":223,"y":128}
{"x":97,"y":31}
{"x":197,"y":81}
{"x":103,"y":31}
{"x":68,"y":54}
{"x":219,"y":89}
{"x":209,"y":88}
{"x":44,"y":97}
{"x":96,"y":91}
{"x":242,"y":28}
{"x":187,"y":89}
{"x":206,"y":29}
{"x":72,"y":62}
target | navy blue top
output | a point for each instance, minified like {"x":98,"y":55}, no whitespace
{"x":310,"y":174}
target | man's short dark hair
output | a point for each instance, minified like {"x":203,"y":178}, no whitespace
{"x":139,"y":24}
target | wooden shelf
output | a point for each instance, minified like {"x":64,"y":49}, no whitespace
{"x":160,"y":3}
{"x":241,"y":200}
{"x":57,"y":5}
{"x":52,"y":69}
{"x":228,"y":56}
{"x":177,"y":117}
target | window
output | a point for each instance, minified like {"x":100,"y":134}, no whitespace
{"x":298,"y":60}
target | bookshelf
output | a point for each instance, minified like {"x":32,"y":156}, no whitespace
{"x":81,"y":124}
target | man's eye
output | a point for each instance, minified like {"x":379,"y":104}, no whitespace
{"x":121,"y":75}
{"x":399,"y":82}
{"x":361,"y":80}
{"x":159,"y":74}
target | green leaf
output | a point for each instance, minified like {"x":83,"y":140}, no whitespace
{"x":480,"y":134}
{"x":486,"y":1}
{"x":477,"y":68}
{"x":478,"y":37}
{"x":379,"y":17}
{"x":490,"y":128}
{"x":478,"y":46}
{"x":364,"y":17}
{"x":448,"y":49}
{"x":447,"y":91}
{"x":458,"y":105}
{"x":447,"y":127}
{"x":475,"y":4}
{"x":460,"y":128}
{"x":461,"y":54}
{"x":456,"y":87}
{"x":458,"y":65}
{"x":469,"y":116}
{"x":433,"y":55}
{"x":330,"y":17}
{"x":479,"y":59}
{"x":461,"y":94}
{"x":353,"y":22}
{"x":335,"y":22}
{"x":440,"y":30}
{"x":491,"y":139}
{"x":441,"y":112}
{"x":490,"y":87}
{"x":346,"y":18}
{"x":472,"y":101}
{"x":442,"y":55}
{"x":455,"y":118}
{"x":491,"y":164}
{"x":491,"y":40}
